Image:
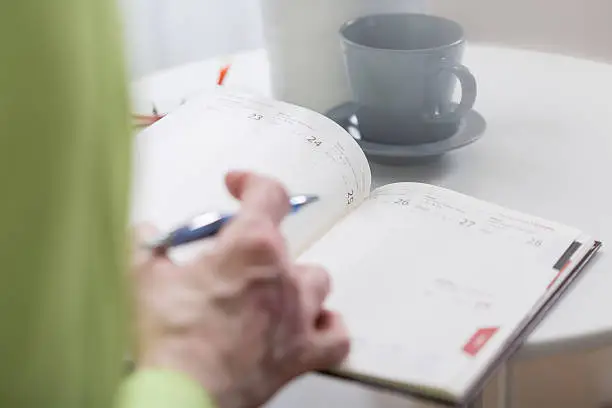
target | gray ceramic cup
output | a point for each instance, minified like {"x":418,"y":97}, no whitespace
{"x":402,"y":69}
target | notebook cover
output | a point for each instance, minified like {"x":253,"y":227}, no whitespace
{"x":505,"y":353}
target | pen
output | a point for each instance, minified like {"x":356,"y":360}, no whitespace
{"x":208,"y":224}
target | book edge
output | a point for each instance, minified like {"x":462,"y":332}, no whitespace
{"x":421,"y":392}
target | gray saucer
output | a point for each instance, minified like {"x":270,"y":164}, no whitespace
{"x":470,"y":129}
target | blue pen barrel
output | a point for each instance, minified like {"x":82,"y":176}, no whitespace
{"x":209,"y":224}
{"x":189,"y":234}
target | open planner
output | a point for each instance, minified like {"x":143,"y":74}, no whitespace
{"x":437,"y":288}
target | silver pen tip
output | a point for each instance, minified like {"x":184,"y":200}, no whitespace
{"x":303,"y":200}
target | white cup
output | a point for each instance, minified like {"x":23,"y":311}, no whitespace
{"x":304,"y":48}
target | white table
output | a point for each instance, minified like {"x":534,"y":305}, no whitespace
{"x":547,"y":150}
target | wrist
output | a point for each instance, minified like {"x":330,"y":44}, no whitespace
{"x":207,"y":369}
{"x":191,"y":360}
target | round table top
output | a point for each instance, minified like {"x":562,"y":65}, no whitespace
{"x":546,"y":151}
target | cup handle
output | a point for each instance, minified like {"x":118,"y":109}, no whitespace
{"x":468,"y":93}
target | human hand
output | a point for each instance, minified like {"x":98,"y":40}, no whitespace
{"x":242,"y":319}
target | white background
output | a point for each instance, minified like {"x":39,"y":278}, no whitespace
{"x":165,"y":33}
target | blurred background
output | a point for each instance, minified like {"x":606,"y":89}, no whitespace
{"x":165,"y":33}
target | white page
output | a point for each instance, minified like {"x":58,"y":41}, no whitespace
{"x":418,"y":270}
{"x":181,"y":161}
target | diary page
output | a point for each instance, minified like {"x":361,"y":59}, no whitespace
{"x":432,"y":282}
{"x":181,"y":160}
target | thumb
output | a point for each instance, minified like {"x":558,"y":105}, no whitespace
{"x":260,"y":195}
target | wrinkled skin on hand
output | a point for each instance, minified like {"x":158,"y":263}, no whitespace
{"x":242,"y":319}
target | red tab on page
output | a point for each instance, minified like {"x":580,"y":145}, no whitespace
{"x":479,"y":340}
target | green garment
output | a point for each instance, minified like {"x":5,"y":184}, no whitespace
{"x":64,"y":157}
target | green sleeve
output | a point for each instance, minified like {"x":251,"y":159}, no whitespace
{"x":162,"y":389}
{"x":64,"y":170}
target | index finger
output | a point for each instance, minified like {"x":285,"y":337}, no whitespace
{"x":260,"y":196}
